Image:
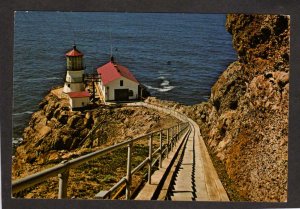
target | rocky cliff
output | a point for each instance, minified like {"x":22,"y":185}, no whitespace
{"x":245,"y":121}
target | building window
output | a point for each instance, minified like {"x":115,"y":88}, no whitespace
{"x":69,"y":85}
{"x":121,"y":82}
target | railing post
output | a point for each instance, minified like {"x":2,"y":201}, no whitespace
{"x":177,"y":138}
{"x":160,"y":147}
{"x":63,"y":184}
{"x":168,"y":143}
{"x":172,"y":140}
{"x":150,"y":159}
{"x":128,"y":176}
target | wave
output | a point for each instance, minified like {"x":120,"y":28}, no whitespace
{"x":43,"y":79}
{"x":163,"y":73}
{"x":17,"y":140}
{"x":163,"y":89}
{"x":22,"y":113}
{"x":205,"y":97}
{"x":165,"y":83}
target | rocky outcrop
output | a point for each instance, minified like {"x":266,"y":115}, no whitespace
{"x":55,"y":133}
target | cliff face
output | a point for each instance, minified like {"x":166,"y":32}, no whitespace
{"x":245,"y":122}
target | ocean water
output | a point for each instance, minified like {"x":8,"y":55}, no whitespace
{"x":177,"y":56}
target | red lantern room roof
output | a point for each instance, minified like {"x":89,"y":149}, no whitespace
{"x":74,"y":53}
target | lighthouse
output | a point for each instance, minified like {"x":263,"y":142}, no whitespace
{"x":75,"y":70}
{"x":74,"y":82}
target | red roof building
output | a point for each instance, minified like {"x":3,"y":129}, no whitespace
{"x":112,"y":71}
{"x":79,"y":99}
{"x":118,"y":83}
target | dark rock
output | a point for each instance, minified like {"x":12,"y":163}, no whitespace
{"x":63,"y":118}
{"x":73,"y":121}
{"x":43,"y":104}
{"x":217,"y":104}
{"x":233,"y":105}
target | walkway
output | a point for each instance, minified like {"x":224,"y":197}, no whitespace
{"x":194,"y":176}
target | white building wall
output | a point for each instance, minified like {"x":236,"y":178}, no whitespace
{"x":79,"y":102}
{"x":127,"y":84}
{"x":74,"y":81}
{"x":74,"y":76}
{"x":71,"y":87}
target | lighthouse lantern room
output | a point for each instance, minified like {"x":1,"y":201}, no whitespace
{"x":75,"y":70}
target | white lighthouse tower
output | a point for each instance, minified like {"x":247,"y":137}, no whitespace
{"x":75,"y":71}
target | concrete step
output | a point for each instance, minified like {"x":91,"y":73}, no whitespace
{"x":182,"y":196}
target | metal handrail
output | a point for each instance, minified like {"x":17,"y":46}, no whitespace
{"x":140,"y":166}
{"x":62,"y":170}
{"x":105,"y":194}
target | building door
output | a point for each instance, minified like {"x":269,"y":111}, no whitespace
{"x":121,"y":94}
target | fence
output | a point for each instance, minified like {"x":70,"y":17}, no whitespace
{"x":62,"y":170}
